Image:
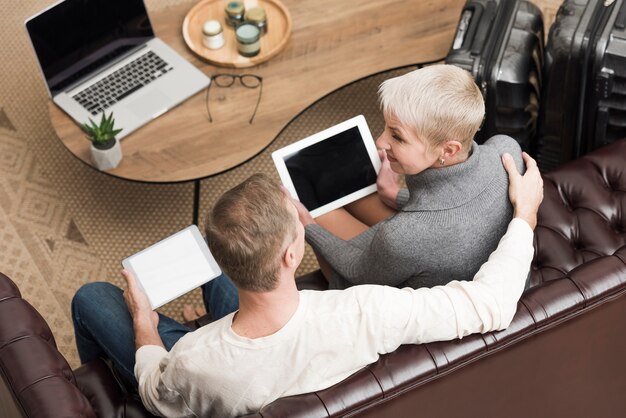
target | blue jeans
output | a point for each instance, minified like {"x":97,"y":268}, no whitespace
{"x":104,"y":328}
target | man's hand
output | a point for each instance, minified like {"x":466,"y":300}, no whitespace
{"x":303,"y":212}
{"x":387,"y":182}
{"x":525,"y":192}
{"x":145,"y":320}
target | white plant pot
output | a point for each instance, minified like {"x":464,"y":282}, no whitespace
{"x":108,"y":158}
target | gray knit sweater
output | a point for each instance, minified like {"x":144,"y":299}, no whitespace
{"x":450,"y":219}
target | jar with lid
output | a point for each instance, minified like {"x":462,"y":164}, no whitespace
{"x":212,"y":34}
{"x":234,"y":13}
{"x":248,"y":40}
{"x":256,"y":16}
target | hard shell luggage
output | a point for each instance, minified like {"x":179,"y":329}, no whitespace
{"x":501,"y":43}
{"x":584,"y":97}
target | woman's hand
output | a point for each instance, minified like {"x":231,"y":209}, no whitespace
{"x":525,"y":192}
{"x":387,"y":182}
{"x":303,"y":213}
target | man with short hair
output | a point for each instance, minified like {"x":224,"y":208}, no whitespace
{"x":282,"y":341}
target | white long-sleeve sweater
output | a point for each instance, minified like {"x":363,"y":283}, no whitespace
{"x":214,"y":372}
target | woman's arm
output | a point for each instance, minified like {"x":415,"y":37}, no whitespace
{"x":378,"y":256}
{"x":374,"y":257}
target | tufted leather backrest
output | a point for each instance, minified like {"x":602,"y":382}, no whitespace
{"x":583,"y":215}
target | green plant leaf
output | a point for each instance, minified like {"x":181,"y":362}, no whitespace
{"x":102,"y":132}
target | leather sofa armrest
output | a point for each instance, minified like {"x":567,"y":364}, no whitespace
{"x":36,"y":380}
{"x":108,"y":395}
{"x":35,"y":376}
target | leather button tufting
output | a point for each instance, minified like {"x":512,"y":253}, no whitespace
{"x":613,"y":184}
{"x":566,"y":203}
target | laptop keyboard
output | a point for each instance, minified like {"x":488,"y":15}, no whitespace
{"x":119,"y":84}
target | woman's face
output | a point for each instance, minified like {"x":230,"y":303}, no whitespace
{"x":406,"y":152}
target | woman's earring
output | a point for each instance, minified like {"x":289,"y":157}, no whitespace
{"x":442,"y":161}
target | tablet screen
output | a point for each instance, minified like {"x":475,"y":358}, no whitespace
{"x":331,"y":169}
{"x":173,"y":266}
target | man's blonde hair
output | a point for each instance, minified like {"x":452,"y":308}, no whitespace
{"x":248,"y":230}
{"x":441,"y":102}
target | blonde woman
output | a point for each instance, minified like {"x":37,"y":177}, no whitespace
{"x":455,"y":208}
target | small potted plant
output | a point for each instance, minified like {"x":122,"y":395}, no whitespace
{"x":106,"y":151}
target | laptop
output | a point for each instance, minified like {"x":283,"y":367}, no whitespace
{"x":102,"y":56}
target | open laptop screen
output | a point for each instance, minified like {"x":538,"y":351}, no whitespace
{"x":77,"y":37}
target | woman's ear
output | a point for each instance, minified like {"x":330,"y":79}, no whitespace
{"x":451,"y":149}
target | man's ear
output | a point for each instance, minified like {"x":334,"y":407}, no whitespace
{"x":451,"y":148}
{"x":289,"y":258}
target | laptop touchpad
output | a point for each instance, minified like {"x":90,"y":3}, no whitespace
{"x":149,"y":105}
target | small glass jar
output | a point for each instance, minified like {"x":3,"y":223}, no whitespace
{"x":212,"y":34}
{"x":248,"y":40}
{"x":234,"y":13}
{"x":257,"y":16}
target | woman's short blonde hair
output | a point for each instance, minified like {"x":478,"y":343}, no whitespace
{"x":441,"y":102}
{"x":248,"y":230}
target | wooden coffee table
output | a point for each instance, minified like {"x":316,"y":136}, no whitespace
{"x":332,"y":44}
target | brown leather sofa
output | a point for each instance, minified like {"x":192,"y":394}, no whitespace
{"x":564,"y":354}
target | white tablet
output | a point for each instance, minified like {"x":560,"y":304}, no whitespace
{"x":173,"y":266}
{"x":331,"y":168}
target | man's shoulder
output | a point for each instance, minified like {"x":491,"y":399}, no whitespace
{"x":210,"y":333}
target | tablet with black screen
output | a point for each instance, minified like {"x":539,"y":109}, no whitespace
{"x":331,"y":168}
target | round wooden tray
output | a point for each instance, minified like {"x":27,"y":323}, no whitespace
{"x":272,"y":42}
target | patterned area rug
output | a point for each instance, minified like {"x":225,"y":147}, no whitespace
{"x":41,"y":247}
{"x":63,"y":224}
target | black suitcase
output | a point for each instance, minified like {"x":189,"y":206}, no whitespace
{"x":584,"y":97}
{"x":501,"y":43}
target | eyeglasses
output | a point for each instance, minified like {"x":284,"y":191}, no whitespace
{"x":249,"y":81}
